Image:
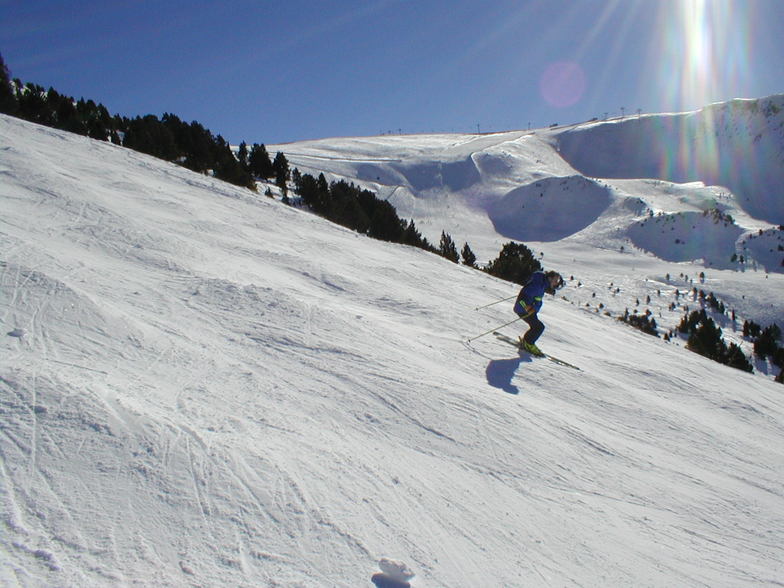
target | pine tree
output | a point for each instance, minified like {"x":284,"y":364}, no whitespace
{"x":242,"y":156}
{"x":148,"y":135}
{"x":515,"y":263}
{"x":766,"y":345}
{"x":447,"y":248}
{"x":411,"y":236}
{"x":65,"y":113}
{"x":32,"y":105}
{"x":228,"y":168}
{"x":282,"y":172}
{"x":324,"y":196}
{"x":345,"y":208}
{"x":778,"y":357}
{"x":259,"y":162}
{"x":307,"y":189}
{"x":706,"y":340}
{"x":469,"y":258}
{"x":8,"y":103}
{"x":734,"y":357}
{"x":751,"y":329}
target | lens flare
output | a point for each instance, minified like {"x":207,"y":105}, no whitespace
{"x":562,"y":84}
{"x":702,"y":52}
{"x":705,"y":49}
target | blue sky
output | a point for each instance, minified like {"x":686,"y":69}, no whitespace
{"x":271,"y":71}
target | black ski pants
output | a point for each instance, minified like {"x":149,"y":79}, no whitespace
{"x":535,"y":328}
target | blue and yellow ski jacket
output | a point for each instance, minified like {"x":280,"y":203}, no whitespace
{"x":531,"y":294}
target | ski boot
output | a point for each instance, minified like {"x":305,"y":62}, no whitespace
{"x":531,"y":348}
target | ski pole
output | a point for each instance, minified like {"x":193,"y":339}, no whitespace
{"x":493,"y":330}
{"x":496,"y":302}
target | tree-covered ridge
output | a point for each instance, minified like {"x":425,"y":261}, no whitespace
{"x":167,"y":137}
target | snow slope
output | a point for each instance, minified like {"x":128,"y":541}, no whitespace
{"x":202,"y":386}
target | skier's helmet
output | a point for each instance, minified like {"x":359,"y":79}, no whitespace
{"x":559,"y":283}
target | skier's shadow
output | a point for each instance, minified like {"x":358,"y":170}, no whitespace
{"x":500,"y":372}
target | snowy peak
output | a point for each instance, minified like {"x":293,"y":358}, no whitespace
{"x":738,"y":145}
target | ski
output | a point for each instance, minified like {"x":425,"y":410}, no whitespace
{"x":515,"y":343}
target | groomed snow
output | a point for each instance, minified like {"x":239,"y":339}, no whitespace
{"x":202,"y":386}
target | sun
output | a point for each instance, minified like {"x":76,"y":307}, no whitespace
{"x":701,"y":49}
{"x":700,"y":54}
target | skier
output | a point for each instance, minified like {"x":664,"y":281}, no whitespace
{"x":528,"y":303}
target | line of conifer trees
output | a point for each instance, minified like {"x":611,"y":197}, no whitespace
{"x":168,"y":137}
{"x":704,"y":337}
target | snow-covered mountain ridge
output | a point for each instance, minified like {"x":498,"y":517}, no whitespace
{"x":727,"y":157}
{"x":738,"y":145}
{"x":202,"y":386}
